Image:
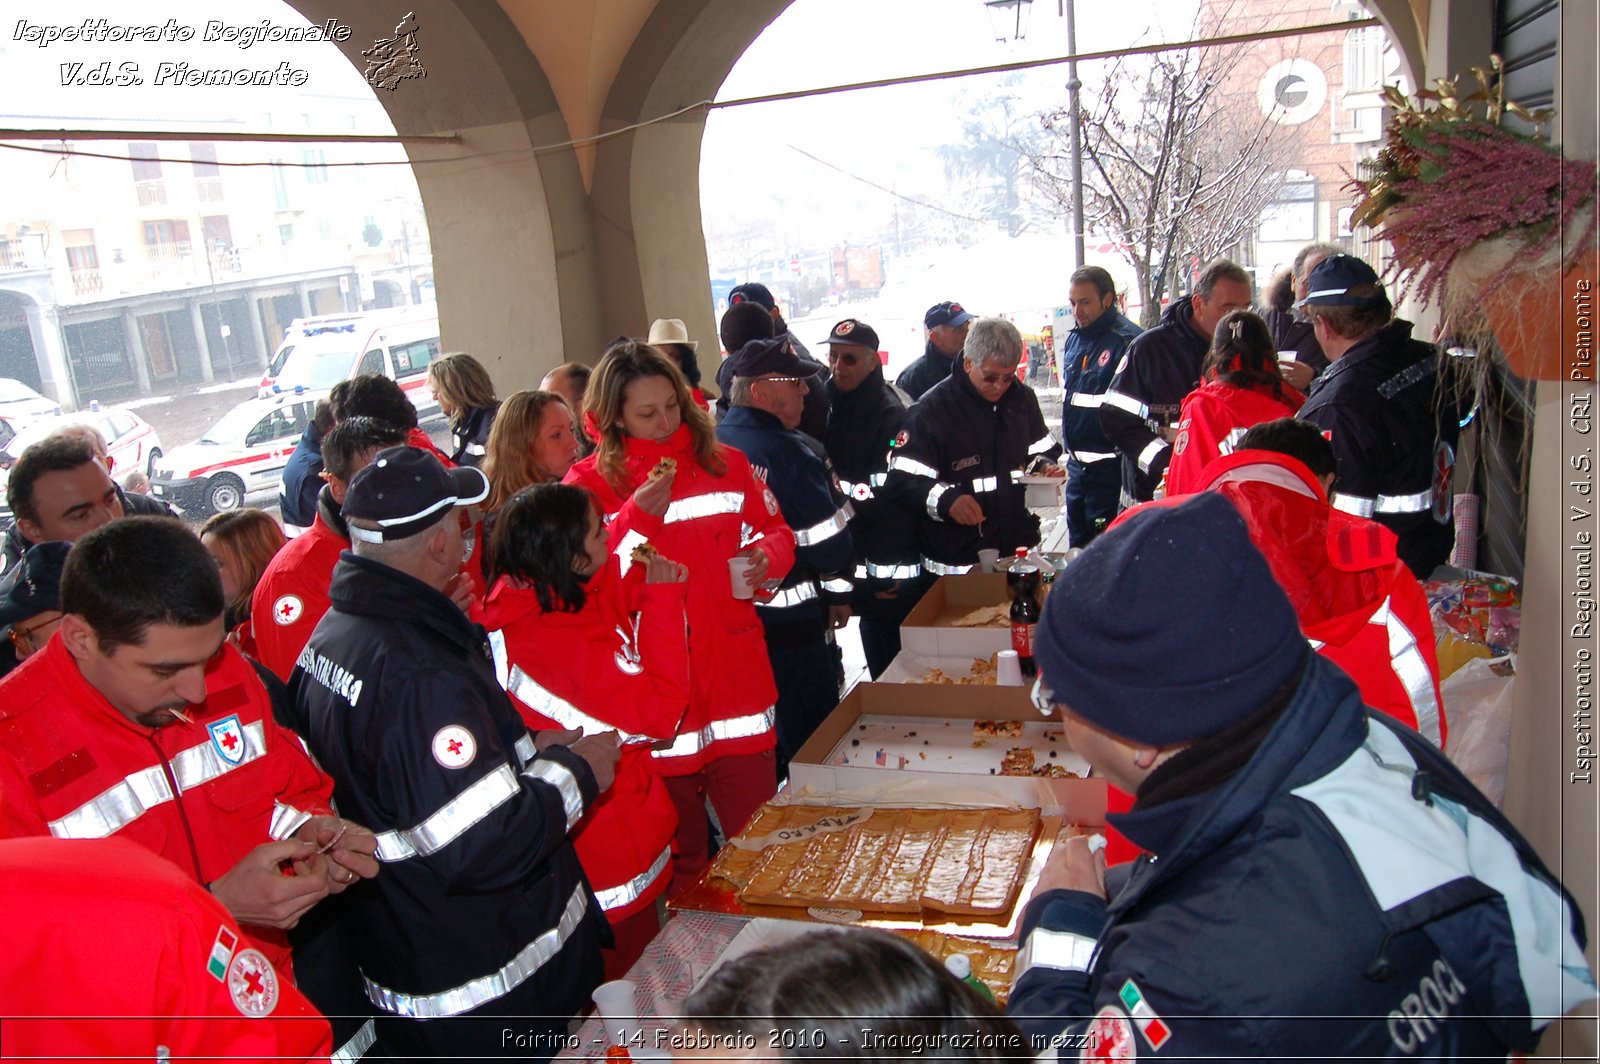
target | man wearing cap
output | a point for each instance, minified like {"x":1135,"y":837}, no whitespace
{"x":955,"y":464}
{"x":866,"y":415}
{"x":947,"y":325}
{"x":1091,"y":354}
{"x":768,"y":392}
{"x":814,"y":419}
{"x":482,"y":911}
{"x":1385,"y":405}
{"x":292,"y":594}
{"x":30,"y":602}
{"x":1160,"y":368}
{"x":1319,"y":878}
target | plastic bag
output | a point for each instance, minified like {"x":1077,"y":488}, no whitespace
{"x":1477,"y":702}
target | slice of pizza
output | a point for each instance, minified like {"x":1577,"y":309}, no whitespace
{"x":664,"y":468}
{"x":643,"y":553}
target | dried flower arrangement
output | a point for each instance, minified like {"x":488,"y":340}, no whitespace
{"x":1468,"y":205}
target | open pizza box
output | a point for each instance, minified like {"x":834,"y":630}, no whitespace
{"x":930,"y":629}
{"x":885,"y":732}
{"x":1009,"y":703}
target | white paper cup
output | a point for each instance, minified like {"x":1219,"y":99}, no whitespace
{"x":1007,"y":669}
{"x":1288,"y":356}
{"x":737,"y":568}
{"x":618,"y":1008}
{"x":988,"y":558}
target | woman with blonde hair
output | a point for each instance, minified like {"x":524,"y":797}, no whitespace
{"x":660,"y":476}
{"x":466,"y":397}
{"x":242,"y":542}
{"x":533,"y":441}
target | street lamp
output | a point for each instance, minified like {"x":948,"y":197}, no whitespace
{"x":1008,"y":18}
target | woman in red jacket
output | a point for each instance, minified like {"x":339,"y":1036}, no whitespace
{"x":1240,"y":387}
{"x":581,"y":647}
{"x":650,"y":432}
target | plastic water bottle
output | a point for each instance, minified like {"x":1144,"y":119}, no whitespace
{"x":960,"y":966}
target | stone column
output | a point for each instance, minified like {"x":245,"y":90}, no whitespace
{"x":135,"y":351}
{"x":50,"y":353}
{"x":197,"y":321}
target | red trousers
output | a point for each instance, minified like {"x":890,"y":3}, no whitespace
{"x":737,"y":786}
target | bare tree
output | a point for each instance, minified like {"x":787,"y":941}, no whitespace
{"x":1174,"y":169}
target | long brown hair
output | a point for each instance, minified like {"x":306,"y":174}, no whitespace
{"x":462,"y":381}
{"x":623,"y":364}
{"x":1242,"y":354}
{"x":508,"y":461}
{"x":249,"y":538}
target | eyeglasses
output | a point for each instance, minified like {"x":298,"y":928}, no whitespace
{"x":844,"y":360}
{"x":1044,"y":699}
{"x":1004,"y":378}
{"x":19,"y":635}
{"x":783,"y":380}
{"x":469,"y":533}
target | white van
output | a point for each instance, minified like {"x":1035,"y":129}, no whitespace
{"x":319,"y":352}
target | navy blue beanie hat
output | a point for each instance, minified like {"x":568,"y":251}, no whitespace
{"x":1169,"y":627}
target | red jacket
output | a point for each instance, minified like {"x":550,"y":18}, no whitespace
{"x":1357,"y":603}
{"x":709,"y":520}
{"x":621,"y":662}
{"x":73,"y":766}
{"x":1212,"y":419}
{"x":292,"y":595}
{"x":120,"y":953}
{"x":423,"y":442}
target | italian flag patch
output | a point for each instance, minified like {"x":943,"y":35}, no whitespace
{"x":1154,"y":1029}
{"x":221,"y":953}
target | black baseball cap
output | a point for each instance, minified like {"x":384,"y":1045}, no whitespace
{"x":406,"y":490}
{"x":1331,"y":281}
{"x":851,"y":331}
{"x":946,"y":313}
{"x":761,"y":357}
{"x":752,"y":292}
{"x":34,"y":586}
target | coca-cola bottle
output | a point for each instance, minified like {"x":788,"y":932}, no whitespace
{"x":1024,"y":579}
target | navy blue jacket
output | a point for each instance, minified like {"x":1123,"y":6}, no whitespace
{"x":1089,"y":359}
{"x":1322,"y":902}
{"x":302,"y":480}
{"x":1161,"y":366}
{"x":1394,"y":423}
{"x":955,"y":442}
{"x":794,"y":466}
{"x":862,"y":426}
{"x":469,"y":435}
{"x":400,"y":704}
{"x":933,"y":367}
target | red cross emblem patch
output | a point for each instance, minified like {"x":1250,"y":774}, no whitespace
{"x":1110,"y":1037}
{"x":228,"y":738}
{"x":454,"y":746}
{"x":1444,"y":467}
{"x":252,"y":983}
{"x":287,"y":609}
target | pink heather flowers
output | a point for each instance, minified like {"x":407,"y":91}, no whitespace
{"x":1463,"y":182}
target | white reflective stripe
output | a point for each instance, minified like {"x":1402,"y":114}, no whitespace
{"x":861,"y":572}
{"x":477,"y":450}
{"x":358,"y":1045}
{"x":286,"y":820}
{"x":1352,"y":504}
{"x":1230,"y":441}
{"x":627,"y":893}
{"x":912,"y":466}
{"x":1062,"y":950}
{"x":791,"y":596}
{"x":1124,"y":500}
{"x":824,"y":530}
{"x":1042,"y":444}
{"x":525,"y":750}
{"x":131,"y":797}
{"x":546,"y":703}
{"x":733,"y":728}
{"x":451,"y":820}
{"x":1086,"y":400}
{"x":935,"y":493}
{"x":891,"y":572}
{"x":1404,"y":504}
{"x":631,"y":540}
{"x":1017,"y":474}
{"x":1406,"y":659}
{"x":708,"y":505}
{"x":877,"y":479}
{"x":1090,"y":457}
{"x":484,"y":989}
{"x":982,"y":484}
{"x":1125,"y":402}
{"x":941,"y":569}
{"x":1316,"y":644}
{"x":1406,"y":848}
{"x":561,"y":778}
{"x":1151,"y":452}
{"x":838,"y":587}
